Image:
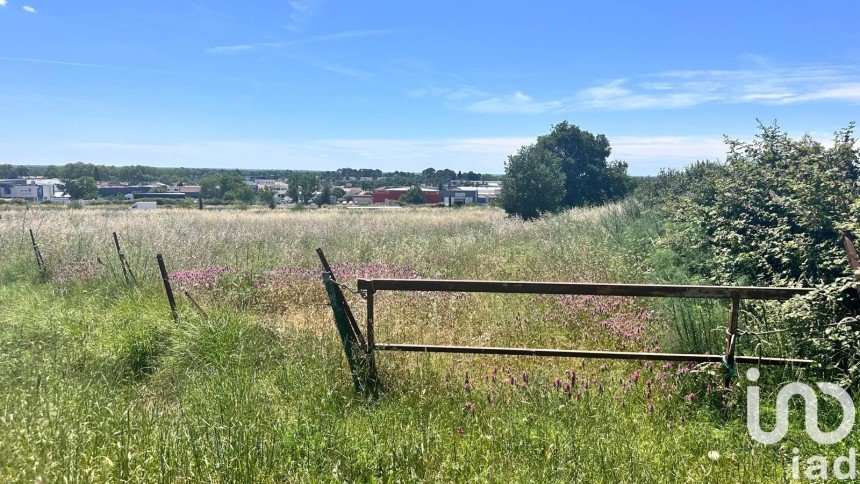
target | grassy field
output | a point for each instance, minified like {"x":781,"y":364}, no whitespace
{"x":99,"y":384}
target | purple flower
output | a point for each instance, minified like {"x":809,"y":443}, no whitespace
{"x":691,"y":397}
{"x":470,"y":406}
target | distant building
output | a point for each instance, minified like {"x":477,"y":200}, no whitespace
{"x":122,"y":190}
{"x":190,"y":191}
{"x":482,"y":195}
{"x":383,"y":195}
{"x":32,"y":189}
{"x":464,"y":196}
{"x":362,"y":198}
{"x":162,"y":195}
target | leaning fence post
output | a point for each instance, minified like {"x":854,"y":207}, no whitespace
{"x":731,"y":342}
{"x":126,"y":268}
{"x":359,"y":354}
{"x":40,"y":263}
{"x":167,"y":289}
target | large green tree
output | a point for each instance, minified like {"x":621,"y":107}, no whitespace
{"x":302,"y":187}
{"x":413,"y":196}
{"x":229,"y":186}
{"x":83,"y":188}
{"x":590,"y":178}
{"x":533,"y":184}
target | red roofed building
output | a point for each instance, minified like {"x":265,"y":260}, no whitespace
{"x":381,"y":195}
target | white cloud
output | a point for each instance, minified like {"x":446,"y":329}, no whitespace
{"x":516,"y":103}
{"x":645,"y":154}
{"x":480,"y":154}
{"x":681,"y":89}
{"x":349,"y":34}
{"x":2,"y":3}
{"x":28,"y":9}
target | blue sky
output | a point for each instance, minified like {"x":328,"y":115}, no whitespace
{"x":406,"y":85}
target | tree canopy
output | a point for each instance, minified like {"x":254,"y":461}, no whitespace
{"x":576,"y":160}
{"x":83,"y":188}
{"x":590,"y":178}
{"x":413,"y":196}
{"x":533,"y":184}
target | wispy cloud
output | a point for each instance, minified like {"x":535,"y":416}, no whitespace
{"x":2,"y":3}
{"x":28,"y":9}
{"x":349,"y":34}
{"x":517,"y":103}
{"x":645,"y":154}
{"x":301,"y":11}
{"x":682,"y":89}
{"x":31,"y":60}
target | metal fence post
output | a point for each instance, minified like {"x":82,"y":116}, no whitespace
{"x":731,"y":342}
{"x":165,"y":279}
{"x":40,"y":262}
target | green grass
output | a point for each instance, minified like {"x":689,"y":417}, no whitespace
{"x":100,"y":385}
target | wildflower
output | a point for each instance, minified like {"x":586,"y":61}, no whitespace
{"x":604,"y":367}
{"x":635,"y":376}
{"x":667,"y":365}
{"x":526,"y":377}
{"x":467,"y":386}
{"x":650,"y":407}
{"x":710,"y":388}
{"x":557,"y":383}
{"x":470,"y":406}
{"x":512,"y":379}
{"x":460,"y":431}
{"x":691,"y":397}
{"x":648,"y":394}
{"x":567,"y":389}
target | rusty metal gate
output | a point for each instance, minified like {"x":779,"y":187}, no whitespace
{"x":360,"y":352}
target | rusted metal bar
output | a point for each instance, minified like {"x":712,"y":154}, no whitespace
{"x":40,"y":262}
{"x":731,"y":341}
{"x":579,"y":288}
{"x":126,"y":268}
{"x":609,"y":355}
{"x":194,"y":303}
{"x":165,"y":279}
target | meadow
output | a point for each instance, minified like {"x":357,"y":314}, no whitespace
{"x":99,"y":383}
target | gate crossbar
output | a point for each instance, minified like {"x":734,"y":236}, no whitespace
{"x":735,"y":294}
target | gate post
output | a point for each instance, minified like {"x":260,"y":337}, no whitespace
{"x":731,"y":342}
{"x":359,"y":354}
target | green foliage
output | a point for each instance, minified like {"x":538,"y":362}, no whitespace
{"x":589,"y":178}
{"x":773,"y":214}
{"x":413,"y":196}
{"x":268,"y":197}
{"x":324,"y":197}
{"x":338,"y":192}
{"x":302,"y":187}
{"x":227,"y":186}
{"x":84,"y":188}
{"x":533,"y":184}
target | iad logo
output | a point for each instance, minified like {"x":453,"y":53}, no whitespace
{"x":811,"y":411}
